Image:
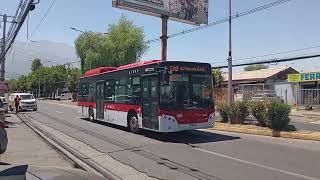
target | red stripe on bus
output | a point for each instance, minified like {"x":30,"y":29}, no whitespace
{"x":87,"y":104}
{"x":114,"y":106}
{"x":122,"y":107}
{"x":188,"y":116}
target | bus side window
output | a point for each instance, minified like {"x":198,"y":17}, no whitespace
{"x":120,"y":91}
{"x":92,"y":92}
{"x":109,"y":91}
{"x":83,"y":94}
{"x":135,"y":90}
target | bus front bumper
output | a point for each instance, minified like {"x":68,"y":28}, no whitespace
{"x":170,"y":124}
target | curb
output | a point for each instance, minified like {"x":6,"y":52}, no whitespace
{"x":305,"y":135}
{"x":305,"y":115}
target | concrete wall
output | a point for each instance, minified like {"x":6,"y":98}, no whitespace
{"x":286,"y":92}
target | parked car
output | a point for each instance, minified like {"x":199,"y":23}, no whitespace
{"x":5,"y":104}
{"x":27,"y":102}
{"x":3,"y":132}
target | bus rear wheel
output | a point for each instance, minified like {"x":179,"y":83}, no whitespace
{"x":91,"y":114}
{"x":134,"y":123}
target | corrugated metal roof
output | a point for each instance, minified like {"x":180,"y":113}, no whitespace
{"x":311,"y":70}
{"x":254,"y":75}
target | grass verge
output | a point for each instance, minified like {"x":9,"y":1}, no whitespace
{"x":252,"y":129}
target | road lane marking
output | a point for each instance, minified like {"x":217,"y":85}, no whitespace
{"x":258,"y":165}
{"x":59,"y":112}
{"x":67,"y":105}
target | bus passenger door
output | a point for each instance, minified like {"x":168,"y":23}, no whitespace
{"x":100,"y":100}
{"x":150,"y":102}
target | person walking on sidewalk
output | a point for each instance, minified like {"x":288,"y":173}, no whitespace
{"x":16,"y":103}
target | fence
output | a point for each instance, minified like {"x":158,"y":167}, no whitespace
{"x":287,"y":94}
{"x":308,"y":97}
{"x":249,"y":95}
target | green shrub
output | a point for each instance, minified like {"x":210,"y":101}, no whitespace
{"x":223,"y":109}
{"x":259,"y":111}
{"x":278,"y":115}
{"x":242,"y":111}
{"x":233,"y":113}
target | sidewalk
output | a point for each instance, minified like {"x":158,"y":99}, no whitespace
{"x":26,"y":147}
{"x":305,"y":120}
{"x":304,"y":113}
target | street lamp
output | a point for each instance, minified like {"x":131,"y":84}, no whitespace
{"x":90,"y":43}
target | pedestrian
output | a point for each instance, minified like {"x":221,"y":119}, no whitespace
{"x":16,"y":103}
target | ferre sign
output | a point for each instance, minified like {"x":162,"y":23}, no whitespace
{"x":304,"y":77}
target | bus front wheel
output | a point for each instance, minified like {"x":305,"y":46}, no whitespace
{"x":133,"y":123}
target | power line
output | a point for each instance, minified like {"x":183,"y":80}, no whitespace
{"x":27,"y":6}
{"x":43,"y":17}
{"x":226,"y":19}
{"x":271,"y":54}
{"x":275,"y":60}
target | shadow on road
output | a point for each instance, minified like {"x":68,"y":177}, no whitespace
{"x":184,"y":137}
{"x":3,"y":163}
{"x":190,"y":137}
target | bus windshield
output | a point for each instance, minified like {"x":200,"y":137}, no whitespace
{"x":186,"y":91}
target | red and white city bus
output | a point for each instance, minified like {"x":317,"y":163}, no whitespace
{"x":154,"y":95}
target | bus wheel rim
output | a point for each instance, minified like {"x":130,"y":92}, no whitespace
{"x":134,"y":123}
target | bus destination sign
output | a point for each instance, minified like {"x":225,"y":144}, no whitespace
{"x":187,"y":69}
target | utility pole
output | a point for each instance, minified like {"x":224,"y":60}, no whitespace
{"x":230,"y":88}
{"x":90,"y":47}
{"x":39,"y":94}
{"x":164,"y":38}
{"x":3,"y":48}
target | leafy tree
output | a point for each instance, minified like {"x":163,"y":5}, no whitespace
{"x":87,"y":43}
{"x":217,"y":77}
{"x":122,"y":44}
{"x":72,"y":80}
{"x":255,"y":67}
{"x":22,"y":84}
{"x":48,"y":78}
{"x":36,"y":64}
{"x":14,"y":86}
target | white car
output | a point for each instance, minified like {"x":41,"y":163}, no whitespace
{"x":27,"y":101}
{"x":4,"y":104}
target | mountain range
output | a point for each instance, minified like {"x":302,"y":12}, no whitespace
{"x":19,"y":58}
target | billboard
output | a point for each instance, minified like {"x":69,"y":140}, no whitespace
{"x":304,"y":77}
{"x":188,"y":11}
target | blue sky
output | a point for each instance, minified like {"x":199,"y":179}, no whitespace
{"x":288,"y":26}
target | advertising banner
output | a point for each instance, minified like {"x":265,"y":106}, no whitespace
{"x":304,"y":77}
{"x":188,"y":11}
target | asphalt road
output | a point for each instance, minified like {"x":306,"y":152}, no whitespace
{"x":192,"y":154}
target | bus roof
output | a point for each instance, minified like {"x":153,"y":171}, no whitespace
{"x":103,"y":70}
